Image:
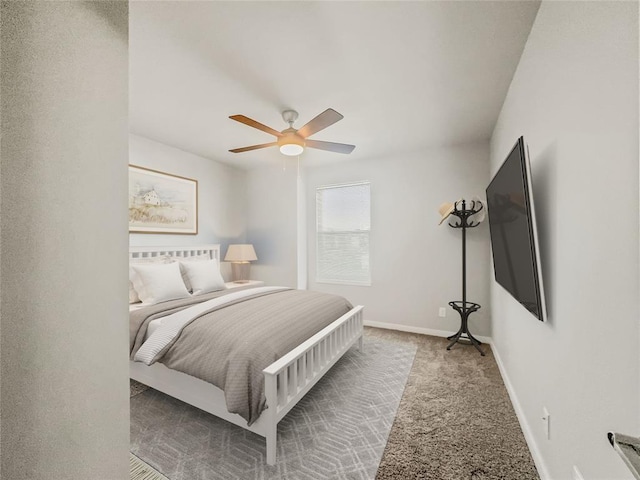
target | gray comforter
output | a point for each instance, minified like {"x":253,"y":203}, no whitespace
{"x":230,"y":346}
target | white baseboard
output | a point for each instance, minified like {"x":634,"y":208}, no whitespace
{"x":524,"y":425}
{"x":423,"y":331}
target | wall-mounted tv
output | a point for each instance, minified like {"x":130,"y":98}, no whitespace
{"x":514,"y":238}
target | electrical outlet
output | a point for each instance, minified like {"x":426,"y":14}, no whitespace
{"x":442,"y":312}
{"x":546,"y":418}
{"x":575,"y":474}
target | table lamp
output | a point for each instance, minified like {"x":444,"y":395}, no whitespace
{"x":240,"y":255}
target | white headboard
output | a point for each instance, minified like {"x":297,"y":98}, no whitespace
{"x":180,"y":252}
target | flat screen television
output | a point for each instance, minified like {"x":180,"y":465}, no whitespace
{"x":513,"y":231}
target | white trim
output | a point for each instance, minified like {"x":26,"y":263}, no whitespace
{"x":348,"y":184}
{"x":353,"y":283}
{"x":524,"y":424}
{"x":301,"y":231}
{"x":421,"y":330}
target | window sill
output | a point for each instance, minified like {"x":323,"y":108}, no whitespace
{"x":339,"y":282}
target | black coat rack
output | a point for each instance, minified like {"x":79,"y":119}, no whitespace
{"x":465,"y":308}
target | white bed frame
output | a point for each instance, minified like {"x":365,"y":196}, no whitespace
{"x":286,"y":380}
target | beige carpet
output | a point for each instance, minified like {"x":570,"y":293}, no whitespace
{"x":455,"y":419}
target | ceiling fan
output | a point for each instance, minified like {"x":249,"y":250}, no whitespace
{"x":291,"y":141}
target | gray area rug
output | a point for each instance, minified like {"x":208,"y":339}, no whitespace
{"x":455,"y":420}
{"x":337,"y":431}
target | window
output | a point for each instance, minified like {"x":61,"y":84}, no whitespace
{"x":343,"y":226}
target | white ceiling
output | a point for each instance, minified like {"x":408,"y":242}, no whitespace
{"x":405,"y":75}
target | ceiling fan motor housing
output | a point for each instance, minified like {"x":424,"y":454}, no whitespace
{"x":290,"y":116}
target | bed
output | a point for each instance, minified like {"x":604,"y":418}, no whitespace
{"x":285,"y":381}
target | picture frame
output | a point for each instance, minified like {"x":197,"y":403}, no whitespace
{"x":161,"y":202}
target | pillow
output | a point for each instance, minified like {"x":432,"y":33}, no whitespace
{"x":157,"y":283}
{"x":196,"y":258}
{"x":133,"y":295}
{"x":203,"y":276}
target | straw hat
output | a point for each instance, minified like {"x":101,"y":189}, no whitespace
{"x":445,"y":210}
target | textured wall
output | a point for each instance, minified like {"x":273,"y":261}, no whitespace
{"x":64,"y":366}
{"x":574,"y":97}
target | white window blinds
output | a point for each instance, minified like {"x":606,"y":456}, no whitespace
{"x":343,"y":226}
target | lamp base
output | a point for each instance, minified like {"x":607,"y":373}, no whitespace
{"x":240,"y":272}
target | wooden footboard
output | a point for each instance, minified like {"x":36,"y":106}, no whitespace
{"x":288,"y":379}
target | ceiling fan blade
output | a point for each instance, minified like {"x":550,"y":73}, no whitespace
{"x":330,"y":146}
{"x":252,"y":123}
{"x":253,"y":147}
{"x":322,"y":121}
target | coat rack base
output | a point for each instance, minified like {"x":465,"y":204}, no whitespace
{"x":464,"y":309}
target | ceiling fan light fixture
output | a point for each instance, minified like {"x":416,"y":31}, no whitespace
{"x":291,"y":144}
{"x":291,"y":149}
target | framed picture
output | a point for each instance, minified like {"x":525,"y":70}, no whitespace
{"x":162,"y":203}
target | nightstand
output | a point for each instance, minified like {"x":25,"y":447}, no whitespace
{"x":244,"y":286}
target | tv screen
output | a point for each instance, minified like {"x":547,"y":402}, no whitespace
{"x":512,"y":226}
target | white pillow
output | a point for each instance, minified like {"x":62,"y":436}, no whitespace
{"x":203,"y":276}
{"x":157,"y":283}
{"x":205,"y":257}
{"x":133,"y":295}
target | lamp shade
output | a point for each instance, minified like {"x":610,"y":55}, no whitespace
{"x":240,"y":253}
